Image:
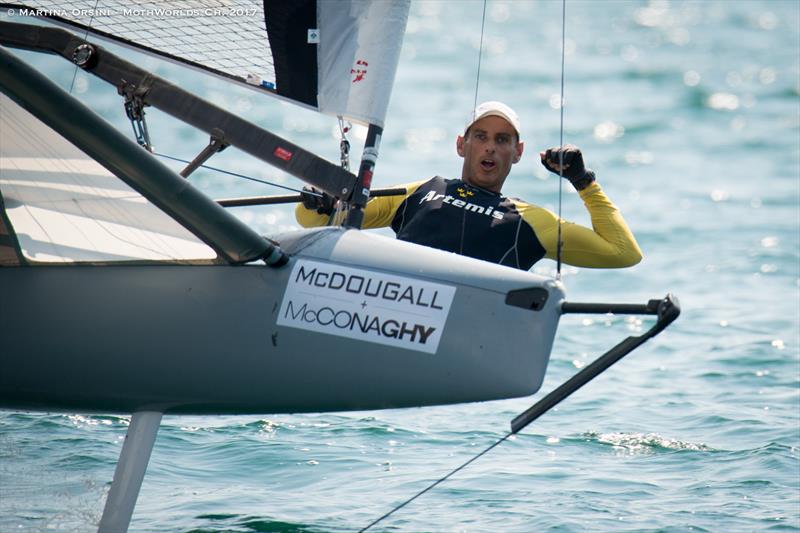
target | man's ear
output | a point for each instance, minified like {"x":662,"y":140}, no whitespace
{"x":518,"y":155}
{"x":460,"y":145}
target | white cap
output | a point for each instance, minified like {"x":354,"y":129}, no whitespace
{"x":493,"y":108}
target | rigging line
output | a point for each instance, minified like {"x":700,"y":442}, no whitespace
{"x":85,"y":37}
{"x":480,"y":53}
{"x":558,"y":252}
{"x":559,"y":244}
{"x":265,"y":182}
{"x":438,"y":481}
{"x":340,"y":212}
{"x":344,"y":144}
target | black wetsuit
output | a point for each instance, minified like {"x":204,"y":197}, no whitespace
{"x":451,"y":215}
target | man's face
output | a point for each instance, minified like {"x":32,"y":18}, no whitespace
{"x":489,"y":149}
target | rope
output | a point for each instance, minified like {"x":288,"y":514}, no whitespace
{"x":559,"y":244}
{"x":344,"y":144}
{"x":480,"y":53}
{"x":497,"y":443}
{"x":85,"y":37}
{"x":440,"y":480}
{"x":265,"y":182}
{"x":339,"y":214}
{"x":558,"y":254}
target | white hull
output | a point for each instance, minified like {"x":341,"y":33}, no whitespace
{"x":205,"y":339}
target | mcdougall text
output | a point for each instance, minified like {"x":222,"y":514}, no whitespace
{"x":356,"y":284}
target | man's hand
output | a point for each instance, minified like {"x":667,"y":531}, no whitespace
{"x":318,"y":200}
{"x":574,"y":169}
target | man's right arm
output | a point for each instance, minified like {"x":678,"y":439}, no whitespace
{"x":378,"y":213}
{"x":309,"y":218}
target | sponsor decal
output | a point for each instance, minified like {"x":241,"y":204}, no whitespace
{"x":359,"y":71}
{"x":366,"y":305}
{"x":464,"y":193}
{"x":489,"y":211}
{"x":282,"y":153}
{"x":367,"y":180}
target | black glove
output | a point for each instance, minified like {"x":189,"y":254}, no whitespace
{"x":321,"y":201}
{"x":574,"y":170}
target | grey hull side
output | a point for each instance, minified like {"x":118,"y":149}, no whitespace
{"x":205,"y":339}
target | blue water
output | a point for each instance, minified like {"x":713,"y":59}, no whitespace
{"x":690,"y":114}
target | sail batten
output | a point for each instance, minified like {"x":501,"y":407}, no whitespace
{"x":338,"y":58}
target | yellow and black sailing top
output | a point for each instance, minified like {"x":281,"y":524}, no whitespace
{"x":451,"y":215}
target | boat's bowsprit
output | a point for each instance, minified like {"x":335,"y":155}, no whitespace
{"x":666,"y":309}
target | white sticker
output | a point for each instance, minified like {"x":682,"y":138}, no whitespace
{"x":369,"y":154}
{"x":366,"y":305}
{"x":313,"y":36}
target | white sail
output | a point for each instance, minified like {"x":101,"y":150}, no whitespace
{"x":336,"y":57}
{"x":359,"y":50}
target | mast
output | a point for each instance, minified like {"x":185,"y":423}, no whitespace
{"x":355,"y":215}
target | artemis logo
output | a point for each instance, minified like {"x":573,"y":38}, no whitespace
{"x":455,"y":202}
{"x":359,"y":71}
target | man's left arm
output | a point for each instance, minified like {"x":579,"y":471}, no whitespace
{"x":609,"y":243}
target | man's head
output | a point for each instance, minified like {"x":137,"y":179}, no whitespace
{"x":490,"y":145}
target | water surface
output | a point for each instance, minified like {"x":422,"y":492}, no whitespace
{"x":690,"y":114}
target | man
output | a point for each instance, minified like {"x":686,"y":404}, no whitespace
{"x":471,"y":217}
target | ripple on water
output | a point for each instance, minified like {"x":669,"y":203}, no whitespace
{"x":645,"y":443}
{"x":702,"y":160}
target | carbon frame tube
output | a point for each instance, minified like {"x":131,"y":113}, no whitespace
{"x":290,"y":198}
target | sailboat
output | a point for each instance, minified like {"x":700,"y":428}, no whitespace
{"x":127,"y":290}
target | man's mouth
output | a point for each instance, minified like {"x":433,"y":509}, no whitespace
{"x":487,"y":164}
